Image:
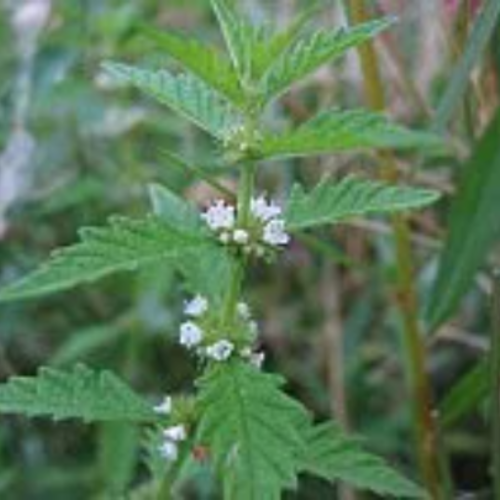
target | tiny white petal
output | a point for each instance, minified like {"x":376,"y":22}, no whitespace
{"x":257,"y":359}
{"x":240,"y":236}
{"x":169,"y":451}
{"x":243,"y":310}
{"x":165,"y":407}
{"x":196,"y":307}
{"x":275,"y":234}
{"x":175,"y":433}
{"x":220,"y":351}
{"x":263,"y":210}
{"x":190,"y":334}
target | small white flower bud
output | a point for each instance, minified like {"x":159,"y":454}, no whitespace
{"x":243,"y":310}
{"x":169,"y":451}
{"x":225,"y":237}
{"x":240,"y":236}
{"x":190,"y":334}
{"x":221,"y":350}
{"x":176,"y":433}
{"x":196,"y":307}
{"x":165,"y":407}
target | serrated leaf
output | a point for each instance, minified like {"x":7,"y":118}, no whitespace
{"x":473,"y":228}
{"x":184,"y":93}
{"x":80,"y":393}
{"x":336,"y":130}
{"x":313,"y":50}
{"x":200,"y":59}
{"x":201,"y":263}
{"x":174,"y":210}
{"x":83,"y":342}
{"x":480,"y":35}
{"x":240,"y":36}
{"x":466,"y":395}
{"x":124,"y":245}
{"x":336,"y":457}
{"x":253,"y":431}
{"x":332,"y":202}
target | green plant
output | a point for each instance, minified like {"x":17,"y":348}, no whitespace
{"x":258,"y":438}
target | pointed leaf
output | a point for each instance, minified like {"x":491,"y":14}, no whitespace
{"x":466,"y":395}
{"x":80,"y":393}
{"x":200,"y":59}
{"x":175,"y":211}
{"x":336,"y":130}
{"x":124,"y":245}
{"x":185,"y":94}
{"x":336,"y":457}
{"x":253,"y":430}
{"x":201,"y":263}
{"x":474,"y":227}
{"x":239,"y":35}
{"x":313,"y":50}
{"x":332,"y":202}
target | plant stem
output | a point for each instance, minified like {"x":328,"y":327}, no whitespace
{"x":495,"y":384}
{"x":245,"y":193}
{"x":406,"y":293}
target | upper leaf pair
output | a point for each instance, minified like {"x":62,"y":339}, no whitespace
{"x":218,"y":94}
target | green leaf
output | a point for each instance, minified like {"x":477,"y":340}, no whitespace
{"x":117,"y":457}
{"x":474,"y":228}
{"x":255,"y":48}
{"x":313,"y":50}
{"x":336,"y":457}
{"x":174,"y":210}
{"x":481,"y":33}
{"x":464,"y":397}
{"x":185,"y":94}
{"x":80,"y":393}
{"x":201,"y":263}
{"x":124,"y":245}
{"x":82,"y":343}
{"x":239,"y":35}
{"x":333,"y":201}
{"x":253,"y":430}
{"x":336,"y":130}
{"x":200,"y":59}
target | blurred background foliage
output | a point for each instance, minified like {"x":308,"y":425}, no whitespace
{"x":327,"y":312}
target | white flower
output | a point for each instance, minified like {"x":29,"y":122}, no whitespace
{"x":169,"y":451}
{"x":219,"y":216}
{"x":240,"y":236}
{"x":165,"y":407}
{"x":274,"y":233}
{"x":257,"y":359}
{"x":243,"y":310}
{"x":176,"y":433}
{"x":221,"y":350}
{"x":190,"y":334}
{"x":196,"y":307}
{"x":263,"y":210}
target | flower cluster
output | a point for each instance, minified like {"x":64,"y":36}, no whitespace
{"x":173,"y":435}
{"x":262,"y":233}
{"x":201,"y":333}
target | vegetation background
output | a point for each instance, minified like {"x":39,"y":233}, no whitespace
{"x":75,"y":149}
